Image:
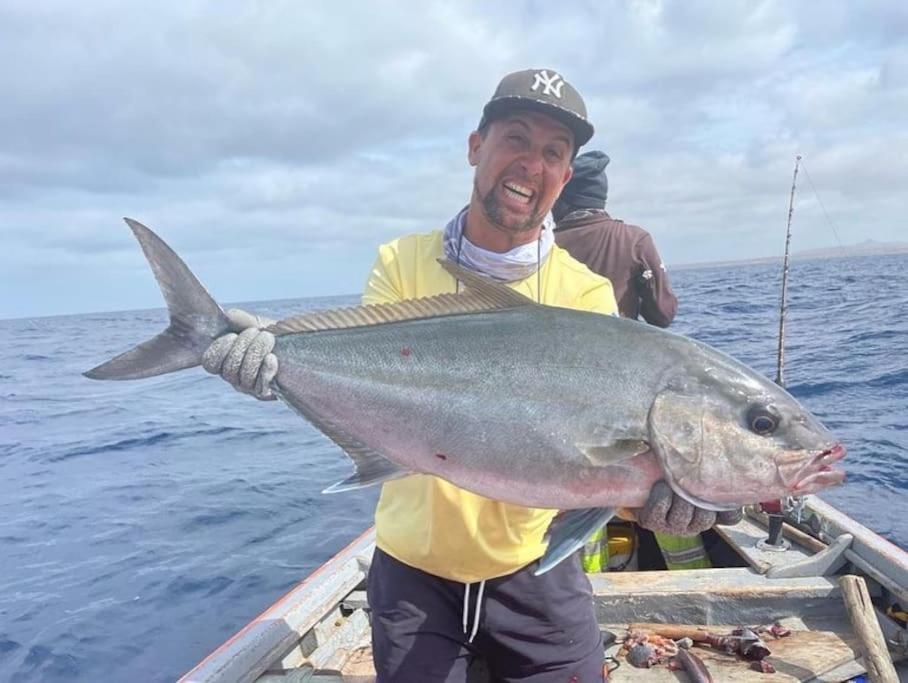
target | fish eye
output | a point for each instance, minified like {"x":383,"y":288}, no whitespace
{"x":761,"y":421}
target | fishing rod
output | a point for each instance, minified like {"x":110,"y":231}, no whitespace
{"x":780,"y":358}
{"x":776,"y":509}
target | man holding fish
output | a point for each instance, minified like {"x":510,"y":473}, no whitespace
{"x":484,"y":412}
{"x":454,"y":572}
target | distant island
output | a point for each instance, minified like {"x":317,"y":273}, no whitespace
{"x":865,"y":248}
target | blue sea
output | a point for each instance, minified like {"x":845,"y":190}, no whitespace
{"x":143,"y":523}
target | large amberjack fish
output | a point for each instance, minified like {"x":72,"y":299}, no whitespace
{"x":530,"y":404}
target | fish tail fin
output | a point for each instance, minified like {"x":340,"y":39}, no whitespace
{"x":195,"y":318}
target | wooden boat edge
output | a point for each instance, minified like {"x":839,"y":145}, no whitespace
{"x":260,"y":644}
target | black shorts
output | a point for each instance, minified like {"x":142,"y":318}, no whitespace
{"x":532,"y":629}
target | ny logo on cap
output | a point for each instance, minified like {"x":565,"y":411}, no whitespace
{"x":551,"y":85}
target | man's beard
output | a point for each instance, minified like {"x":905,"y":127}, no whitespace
{"x":497,"y":214}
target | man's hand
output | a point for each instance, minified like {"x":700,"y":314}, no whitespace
{"x":245,"y":359}
{"x":668,"y":513}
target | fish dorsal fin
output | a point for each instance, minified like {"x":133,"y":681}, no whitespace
{"x":504,"y":296}
{"x":483,"y":295}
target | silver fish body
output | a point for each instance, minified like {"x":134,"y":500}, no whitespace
{"x":550,"y":407}
{"x":534,"y":405}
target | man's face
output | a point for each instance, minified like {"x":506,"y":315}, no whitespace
{"x":522,"y":164}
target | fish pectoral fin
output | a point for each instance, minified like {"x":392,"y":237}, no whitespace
{"x":569,"y":531}
{"x":613,"y":453}
{"x":370,"y":468}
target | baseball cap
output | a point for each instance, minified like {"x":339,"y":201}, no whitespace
{"x":541,"y":90}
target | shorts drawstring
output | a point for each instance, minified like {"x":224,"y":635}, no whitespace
{"x":466,"y":609}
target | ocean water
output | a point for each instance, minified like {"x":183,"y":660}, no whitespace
{"x":143,"y":523}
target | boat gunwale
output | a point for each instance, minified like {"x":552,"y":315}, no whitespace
{"x":262,"y":647}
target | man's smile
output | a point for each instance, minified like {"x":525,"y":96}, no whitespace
{"x":517,"y":192}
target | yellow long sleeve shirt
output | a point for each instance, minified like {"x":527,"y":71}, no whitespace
{"x":424,"y":521}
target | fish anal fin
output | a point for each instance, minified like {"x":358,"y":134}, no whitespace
{"x":569,"y":531}
{"x":370,"y":466}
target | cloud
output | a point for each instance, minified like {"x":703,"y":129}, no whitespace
{"x":245,"y":132}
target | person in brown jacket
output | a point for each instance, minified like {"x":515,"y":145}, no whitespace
{"x":622,"y":252}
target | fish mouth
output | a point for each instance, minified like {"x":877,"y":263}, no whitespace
{"x":819,"y":472}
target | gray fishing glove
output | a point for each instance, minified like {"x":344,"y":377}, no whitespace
{"x":668,"y":513}
{"x":245,"y":359}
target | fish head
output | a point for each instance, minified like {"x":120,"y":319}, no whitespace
{"x":728,"y":437}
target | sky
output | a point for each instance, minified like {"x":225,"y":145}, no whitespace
{"x":275,"y":145}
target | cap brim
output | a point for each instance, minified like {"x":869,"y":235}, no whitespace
{"x":580,"y":127}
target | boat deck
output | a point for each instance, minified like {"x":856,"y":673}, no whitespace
{"x":815,"y":653}
{"x":821,"y":646}
{"x":320,"y":632}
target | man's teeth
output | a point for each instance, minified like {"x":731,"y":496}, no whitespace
{"x":518,"y":192}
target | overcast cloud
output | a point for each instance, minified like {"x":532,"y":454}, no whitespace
{"x":275,"y":144}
